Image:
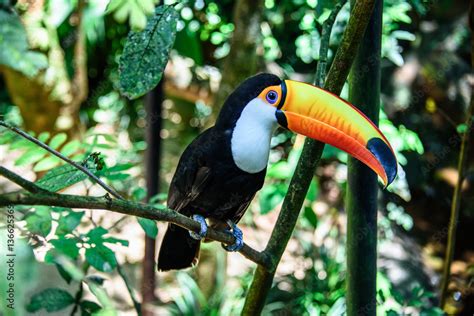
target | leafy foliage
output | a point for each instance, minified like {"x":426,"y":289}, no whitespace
{"x":136,"y":11}
{"x":52,"y":300}
{"x":14,"y":48}
{"x":146,"y":53}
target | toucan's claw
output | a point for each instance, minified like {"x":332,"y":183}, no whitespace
{"x":238,"y":235}
{"x":203,"y":232}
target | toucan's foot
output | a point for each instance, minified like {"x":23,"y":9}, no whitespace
{"x":203,"y":232}
{"x":239,"y":238}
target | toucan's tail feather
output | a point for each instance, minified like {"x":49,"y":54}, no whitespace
{"x":178,"y":250}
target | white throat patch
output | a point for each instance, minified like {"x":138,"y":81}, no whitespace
{"x":252,"y":134}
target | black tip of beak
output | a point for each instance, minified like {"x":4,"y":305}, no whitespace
{"x":385,"y":156}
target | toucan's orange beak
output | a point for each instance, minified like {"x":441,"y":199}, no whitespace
{"x":321,"y":115}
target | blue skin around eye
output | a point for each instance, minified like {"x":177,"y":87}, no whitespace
{"x":272,"y":96}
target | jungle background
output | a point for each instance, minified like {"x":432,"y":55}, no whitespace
{"x":59,"y":80}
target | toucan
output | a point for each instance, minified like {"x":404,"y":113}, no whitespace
{"x":221,"y":170}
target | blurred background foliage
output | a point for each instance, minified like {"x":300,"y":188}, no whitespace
{"x":59,"y":66}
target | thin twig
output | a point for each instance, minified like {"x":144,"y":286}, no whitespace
{"x":61,"y":156}
{"x":136,"y":304}
{"x":456,"y":203}
{"x":47,"y":198}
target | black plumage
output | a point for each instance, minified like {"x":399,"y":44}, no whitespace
{"x":208,"y":182}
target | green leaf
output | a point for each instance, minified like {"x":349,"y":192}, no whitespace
{"x":149,"y":226}
{"x":52,"y":300}
{"x":14,"y":48}
{"x":47,"y":163}
{"x":101,"y":258}
{"x":31,"y":156}
{"x":68,"y":223}
{"x":146,"y":53}
{"x":57,"y":140}
{"x":121,"y":167}
{"x":39,"y":221}
{"x":89,"y":307}
{"x":67,"y":269}
{"x":462,"y":128}
{"x":43,"y":137}
{"x":310,"y":216}
{"x":96,"y":234}
{"x":66,"y":246}
{"x":61,"y":177}
{"x":63,"y":273}
{"x":71,"y":148}
{"x":7,"y":137}
{"x":118,"y":176}
{"x":113,"y":240}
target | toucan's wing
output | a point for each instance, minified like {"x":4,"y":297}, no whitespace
{"x":191,"y":176}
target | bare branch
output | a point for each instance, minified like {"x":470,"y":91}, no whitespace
{"x":61,"y":156}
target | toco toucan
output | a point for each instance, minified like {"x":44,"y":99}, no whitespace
{"x":222,"y":169}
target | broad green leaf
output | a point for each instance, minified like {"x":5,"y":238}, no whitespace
{"x":43,"y":137}
{"x":96,"y":234}
{"x":39,"y":221}
{"x":66,"y":246}
{"x":149,"y":226}
{"x":67,"y":223}
{"x":22,"y":144}
{"x":71,"y":148}
{"x":6,"y":137}
{"x":47,"y":163}
{"x":61,"y":177}
{"x":31,"y":156}
{"x":57,"y":140}
{"x":52,"y":300}
{"x":14,"y":48}
{"x":101,"y":258}
{"x":146,"y":53}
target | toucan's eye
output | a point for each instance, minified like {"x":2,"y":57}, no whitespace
{"x":272,"y":96}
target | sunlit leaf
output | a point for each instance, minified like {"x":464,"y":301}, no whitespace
{"x":47,"y":163}
{"x":14,"y":48}
{"x":149,"y":227}
{"x":57,"y":140}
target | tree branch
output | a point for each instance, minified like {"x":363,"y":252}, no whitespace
{"x":46,"y":198}
{"x":61,"y":156}
{"x":308,"y":161}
